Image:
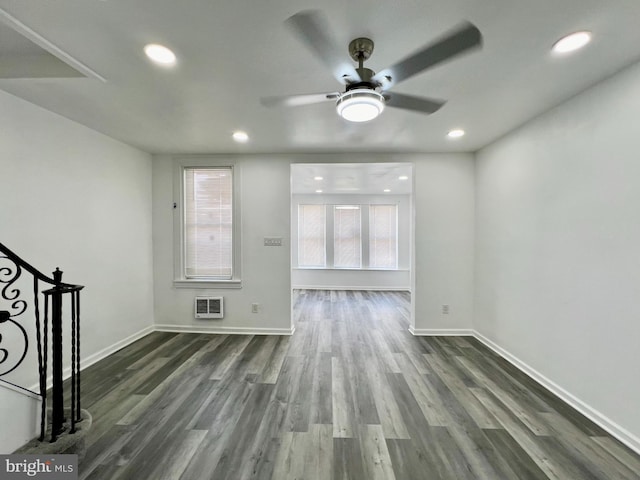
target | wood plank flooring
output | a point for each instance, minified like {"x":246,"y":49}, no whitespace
{"x":351,"y":395}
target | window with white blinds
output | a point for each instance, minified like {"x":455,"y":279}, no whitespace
{"x":311,"y":236}
{"x":361,"y":236}
{"x":208,"y":223}
{"x":383,"y":236}
{"x":347,"y":243}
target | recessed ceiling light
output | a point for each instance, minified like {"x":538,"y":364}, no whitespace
{"x":318,"y":191}
{"x":240,"y":136}
{"x":403,"y":177}
{"x":317,"y":178}
{"x":386,"y":190}
{"x":456,"y":133}
{"x":160,"y":54}
{"x":572,"y":42}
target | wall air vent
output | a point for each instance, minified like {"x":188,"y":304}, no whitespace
{"x":209,"y":307}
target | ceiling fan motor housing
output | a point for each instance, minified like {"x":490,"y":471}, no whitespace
{"x":364,"y":83}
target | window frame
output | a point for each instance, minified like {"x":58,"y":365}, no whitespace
{"x":180,"y":280}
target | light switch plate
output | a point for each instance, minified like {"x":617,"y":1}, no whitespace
{"x":272,"y":241}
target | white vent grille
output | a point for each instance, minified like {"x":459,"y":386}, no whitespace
{"x":209,"y":307}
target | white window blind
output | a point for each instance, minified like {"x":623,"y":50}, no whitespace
{"x":311,"y":236}
{"x":347,"y":249}
{"x":208,"y":217}
{"x":383,"y":236}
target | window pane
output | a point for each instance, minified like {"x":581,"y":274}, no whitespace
{"x":347,"y":250}
{"x":311,"y":236}
{"x":208,"y":226}
{"x":383,"y":236}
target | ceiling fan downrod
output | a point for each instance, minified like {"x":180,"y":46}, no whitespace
{"x":360,"y":50}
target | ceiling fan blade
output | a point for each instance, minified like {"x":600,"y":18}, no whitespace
{"x":464,"y":37}
{"x":409,"y":102}
{"x":312,"y":28}
{"x":298,"y":100}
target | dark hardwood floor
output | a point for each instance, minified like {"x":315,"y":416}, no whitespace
{"x":351,"y":395}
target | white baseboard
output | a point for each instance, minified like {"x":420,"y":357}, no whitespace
{"x":96,"y":357}
{"x":224,"y":330}
{"x":592,"y":414}
{"x":105,"y":352}
{"x":436,"y":332}
{"x":334,"y":287}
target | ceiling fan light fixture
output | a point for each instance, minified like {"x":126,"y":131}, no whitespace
{"x":360,"y":105}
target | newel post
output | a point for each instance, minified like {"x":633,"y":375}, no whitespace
{"x":57,"y":400}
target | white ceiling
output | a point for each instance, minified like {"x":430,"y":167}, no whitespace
{"x":230,"y":54}
{"x":352,"y":178}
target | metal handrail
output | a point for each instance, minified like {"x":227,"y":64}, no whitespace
{"x":29,"y":268}
{"x":9,"y":274}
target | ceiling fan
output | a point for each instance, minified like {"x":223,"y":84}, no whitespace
{"x":367,"y":92}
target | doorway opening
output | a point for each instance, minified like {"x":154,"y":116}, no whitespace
{"x":352,"y":228}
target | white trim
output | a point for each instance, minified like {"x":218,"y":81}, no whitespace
{"x":105,"y":352}
{"x":24,"y":391}
{"x":180,"y":163}
{"x":96,"y":357}
{"x":364,"y":269}
{"x":15,"y":24}
{"x":334,"y":287}
{"x":436,"y":332}
{"x":224,"y":330}
{"x":184,"y":283}
{"x":626,"y":437}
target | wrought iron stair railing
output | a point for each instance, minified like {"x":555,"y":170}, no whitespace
{"x":46,"y":307}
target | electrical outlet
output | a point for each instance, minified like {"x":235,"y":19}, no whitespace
{"x":445,"y":309}
{"x":254,"y":307}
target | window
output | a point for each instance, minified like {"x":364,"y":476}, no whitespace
{"x":383,"y":236}
{"x":348,"y":236}
{"x":311,"y":236}
{"x":207,"y":224}
{"x":347,"y":249}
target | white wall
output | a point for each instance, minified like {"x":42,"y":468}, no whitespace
{"x":558,"y":249}
{"x":73,"y":198}
{"x":367,"y":279}
{"x":265,"y":270}
{"x":444,"y":250}
{"x":20,"y":416}
{"x":444,"y":208}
